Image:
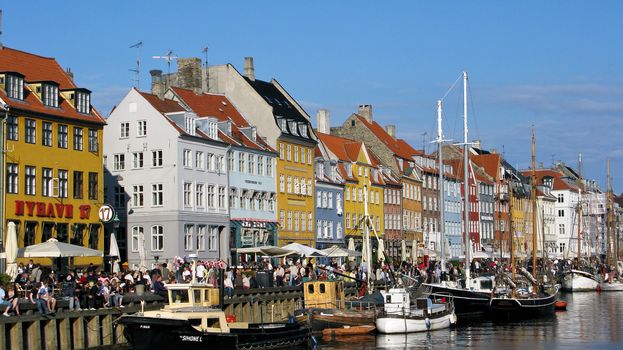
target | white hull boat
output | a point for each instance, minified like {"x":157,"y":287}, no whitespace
{"x":612,"y":287}
{"x":399,"y":316}
{"x":579,"y":281}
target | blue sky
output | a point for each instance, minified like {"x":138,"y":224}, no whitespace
{"x":557,"y":65}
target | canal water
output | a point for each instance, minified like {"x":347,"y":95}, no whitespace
{"x":592,"y":321}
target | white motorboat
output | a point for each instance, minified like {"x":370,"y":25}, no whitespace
{"x":579,"y":281}
{"x":612,"y":287}
{"x":400,"y":316}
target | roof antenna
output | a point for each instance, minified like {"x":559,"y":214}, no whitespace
{"x":424,"y":141}
{"x":205,"y":50}
{"x":137,"y":70}
{"x":169,"y":58}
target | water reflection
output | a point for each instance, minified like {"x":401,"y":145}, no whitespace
{"x":592,"y":320}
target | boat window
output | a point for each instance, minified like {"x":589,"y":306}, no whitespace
{"x":195,"y":322}
{"x":213,"y":323}
{"x":388,"y":299}
{"x":322,"y":288}
{"x":179,"y":296}
{"x":310,"y":289}
{"x":197,"y":293}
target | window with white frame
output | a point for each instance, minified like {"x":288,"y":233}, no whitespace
{"x":125,"y":130}
{"x":288,"y":152}
{"x":310,"y":219}
{"x":211,"y":162}
{"x":12,"y":178}
{"x":251,"y":160}
{"x":188,"y":158}
{"x":297,"y":185}
{"x":63,"y":183}
{"x":269,"y":167}
{"x":31,"y":131}
{"x":199,"y":195}
{"x":137,"y":196}
{"x":260,"y":165}
{"x":211,"y":197}
{"x":222,"y":203}
{"x":296,"y":221}
{"x":47,"y":134}
{"x":83,"y":102}
{"x":289,"y":220}
{"x":46,"y":184}
{"x":282,"y":218}
{"x":31,"y":181}
{"x":220,"y":164}
{"x":93,"y":140}
{"x":157,"y":196}
{"x":156,"y":158}
{"x":119,"y":162}
{"x":137,"y":232}
{"x":289,"y":184}
{"x":241,"y":160}
{"x":213,"y":238}
{"x":78,"y":140}
{"x":188,"y":194}
{"x":188,"y":237}
{"x":199,"y":160}
{"x":201,"y":237}
{"x":14,"y":86}
{"x":137,"y":160}
{"x":157,"y":238}
{"x":141,"y":128}
{"x":309,"y":187}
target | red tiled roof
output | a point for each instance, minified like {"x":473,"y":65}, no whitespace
{"x":407,"y":148}
{"x":490,"y":163}
{"x":38,"y":68}
{"x":559,"y":183}
{"x":211,"y":105}
{"x":343,"y":148}
{"x":387,"y":140}
{"x":162,"y":105}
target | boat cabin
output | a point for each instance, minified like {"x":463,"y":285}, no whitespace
{"x":192,"y":295}
{"x":324,"y":294}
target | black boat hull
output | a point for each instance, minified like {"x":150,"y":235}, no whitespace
{"x":152,"y":333}
{"x":466,"y":302}
{"x":519,"y":308}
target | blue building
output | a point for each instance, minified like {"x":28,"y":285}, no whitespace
{"x":453,"y":213}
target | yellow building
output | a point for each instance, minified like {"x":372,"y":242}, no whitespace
{"x":360,"y":173}
{"x":295,"y":189}
{"x":53,"y":179}
{"x":522,"y":220}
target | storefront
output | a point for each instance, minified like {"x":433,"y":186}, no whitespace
{"x":251,"y":233}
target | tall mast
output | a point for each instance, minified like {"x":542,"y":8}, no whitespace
{"x":579,"y":213}
{"x":366,"y":234}
{"x":512,"y":233}
{"x":534,"y":209}
{"x":467,"y":239}
{"x":609,"y":219}
{"x":442,"y":224}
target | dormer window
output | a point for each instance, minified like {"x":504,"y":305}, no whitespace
{"x":49,"y":95}
{"x":212,"y":129}
{"x":14,"y":86}
{"x":190,"y":125}
{"x":83,"y":102}
{"x":293,"y":128}
{"x":349,"y":169}
{"x":303,"y":129}
{"x":283,"y":125}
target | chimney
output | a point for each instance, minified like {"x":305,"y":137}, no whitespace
{"x":322,"y":118}
{"x":189,"y":73}
{"x":366,"y":112}
{"x":391,"y":130}
{"x":493,"y":151}
{"x":157,"y":87}
{"x":540,"y":165}
{"x":69,"y":73}
{"x":249,"y":70}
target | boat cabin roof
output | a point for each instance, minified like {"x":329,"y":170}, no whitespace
{"x":191,"y":296}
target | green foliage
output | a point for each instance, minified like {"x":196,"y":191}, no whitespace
{"x":5,"y":279}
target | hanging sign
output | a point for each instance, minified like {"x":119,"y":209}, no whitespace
{"x":106,"y":213}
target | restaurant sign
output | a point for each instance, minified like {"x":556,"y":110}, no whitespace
{"x":51,"y":210}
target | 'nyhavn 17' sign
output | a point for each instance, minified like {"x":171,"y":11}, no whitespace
{"x":50,"y":210}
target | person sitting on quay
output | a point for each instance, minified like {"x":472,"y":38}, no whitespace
{"x":33,"y":295}
{"x":229,"y":288}
{"x":279,"y":274}
{"x":69,"y":292}
{"x":246,"y":283}
{"x":116,"y":294}
{"x":7,"y":304}
{"x":103,"y":293}
{"x":159,"y":288}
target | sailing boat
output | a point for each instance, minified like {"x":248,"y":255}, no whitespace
{"x":513,"y":302}
{"x":610,"y":284}
{"x":577,"y":280}
{"x":471,"y":295}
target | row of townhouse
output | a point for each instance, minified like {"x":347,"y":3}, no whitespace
{"x":212,"y":160}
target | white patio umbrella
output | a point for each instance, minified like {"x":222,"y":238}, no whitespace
{"x":381,"y":250}
{"x":303,"y":250}
{"x":11,"y":250}
{"x":414,"y":251}
{"x":141,"y":250}
{"x":351,"y":246}
{"x":268,"y":250}
{"x":113,"y":252}
{"x":403,"y":250}
{"x":338,"y":252}
{"x":52,"y":248}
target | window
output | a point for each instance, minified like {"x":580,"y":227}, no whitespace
{"x":282,"y":219}
{"x":230,"y":161}
{"x":12,"y":128}
{"x":137,"y":233}
{"x":31,"y":181}
{"x":119,"y":196}
{"x":324,"y":199}
{"x":156,"y":158}
{"x":288,"y":152}
{"x":12,"y":178}
{"x":309,"y":187}
{"x":77,"y":234}
{"x":62,"y":136}
{"x":319,"y":229}
{"x":119,"y":162}
{"x":62,"y":233}
{"x":281,"y":183}
{"x":561,"y":229}
{"x":93,"y":143}
{"x":199,"y":160}
{"x":77,"y":184}
{"x":141,"y":128}
{"x":213,"y":238}
{"x":78,"y":139}
{"x":289,"y":184}
{"x":309,"y":156}
{"x":188,"y":158}
{"x":330,"y":203}
{"x":289,"y":220}
{"x":31,"y":131}
{"x":137,"y":160}
{"x":201,"y":236}
{"x":251,"y":158}
{"x":188,"y":237}
{"x":241,"y":162}
{"x":260,"y":165}
{"x":157,"y":238}
{"x":347,"y":220}
{"x":347,"y":193}
{"x":199,"y":195}
{"x":62,"y":183}
{"x":188,"y":194}
{"x":221,"y":198}
{"x":157,"y":196}
{"x":125,"y":130}
{"x":137,"y":195}
{"x":310,"y":219}
{"x":211,"y":162}
{"x":83,"y":102}
{"x":93,"y":186}
{"x":281,"y":151}
{"x":296,"y":153}
{"x":561,"y":213}
{"x":46,"y":182}
{"x":297,"y":185}
{"x":296,"y":221}
{"x":46,"y":138}
{"x":15,"y":87}
{"x":211,"y":199}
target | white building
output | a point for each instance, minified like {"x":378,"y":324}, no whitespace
{"x":166,"y":174}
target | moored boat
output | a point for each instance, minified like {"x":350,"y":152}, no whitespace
{"x":400,"y":316}
{"x":579,"y":281}
{"x":348,"y":331}
{"x":467,"y":301}
{"x":523,"y":304}
{"x":190,"y":321}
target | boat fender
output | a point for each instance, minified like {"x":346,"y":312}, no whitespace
{"x":453,"y":319}
{"x":427,"y":321}
{"x":598,"y":289}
